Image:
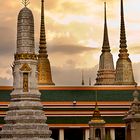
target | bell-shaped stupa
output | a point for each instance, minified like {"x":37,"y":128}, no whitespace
{"x":25,"y":119}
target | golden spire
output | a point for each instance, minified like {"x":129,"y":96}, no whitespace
{"x":42,"y":47}
{"x":44,"y":68}
{"x":97,"y":122}
{"x":25,"y":2}
{"x":97,"y":118}
{"x":106,"y":46}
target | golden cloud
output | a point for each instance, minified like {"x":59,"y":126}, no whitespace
{"x":78,"y":23}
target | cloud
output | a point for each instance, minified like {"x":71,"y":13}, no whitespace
{"x":51,"y":4}
{"x":135,"y":49}
{"x":69,"y":75}
{"x":72,"y":76}
{"x":74,"y":34}
{"x":75,"y":7}
{"x":7,"y":42}
{"x":6,"y":82}
{"x":107,"y":1}
{"x":6,"y":77}
{"x":68,"y":49}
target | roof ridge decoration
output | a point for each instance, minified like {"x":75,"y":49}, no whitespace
{"x":83,"y":82}
{"x":89,"y":81}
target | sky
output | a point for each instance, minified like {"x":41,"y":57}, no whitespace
{"x":74,"y":33}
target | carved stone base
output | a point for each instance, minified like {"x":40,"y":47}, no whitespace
{"x":25,"y":119}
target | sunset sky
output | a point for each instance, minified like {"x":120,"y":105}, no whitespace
{"x":74,"y":36}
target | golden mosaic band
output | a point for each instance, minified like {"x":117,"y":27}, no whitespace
{"x":25,"y":56}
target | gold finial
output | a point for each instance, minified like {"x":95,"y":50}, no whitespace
{"x":25,"y":2}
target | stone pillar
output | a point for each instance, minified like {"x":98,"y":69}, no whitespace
{"x":86,"y":134}
{"x":91,"y":133}
{"x":61,"y":134}
{"x":103,"y":133}
{"x":112,"y":133}
{"x":134,"y":134}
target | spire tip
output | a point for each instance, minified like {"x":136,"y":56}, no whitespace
{"x":25,"y":2}
{"x":106,"y":46}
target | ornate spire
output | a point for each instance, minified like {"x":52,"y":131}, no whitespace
{"x":123,"y":45}
{"x":25,"y":2}
{"x":106,"y":72}
{"x":124,"y":71}
{"x":96,"y":111}
{"x":97,"y":122}
{"x":42,"y":46}
{"x":106,"y":46}
{"x":96,"y":114}
{"x":44,"y":68}
{"x":25,"y":33}
{"x":25,"y":118}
